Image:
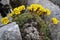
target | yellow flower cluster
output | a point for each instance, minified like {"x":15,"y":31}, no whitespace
{"x":39,"y":9}
{"x":5,"y":20}
{"x":55,"y":20}
{"x":21,"y":7}
{"x":17,"y":10}
{"x":11,"y":14}
{"x":36,"y":8}
{"x":48,"y":12}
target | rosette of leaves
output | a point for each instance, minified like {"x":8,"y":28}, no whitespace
{"x":41,"y":26}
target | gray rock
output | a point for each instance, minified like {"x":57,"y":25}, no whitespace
{"x":30,"y":32}
{"x":58,"y":36}
{"x":5,"y":2}
{"x":10,"y":32}
{"x":57,"y":2}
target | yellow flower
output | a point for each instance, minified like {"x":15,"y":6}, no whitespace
{"x":55,"y":20}
{"x":21,"y":7}
{"x":29,"y":8}
{"x":35,"y":8}
{"x":39,"y":9}
{"x":16,"y":11}
{"x":36,"y":5}
{"x":11,"y":14}
{"x":5,"y":20}
{"x":48,"y":12}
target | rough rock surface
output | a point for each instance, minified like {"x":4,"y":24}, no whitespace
{"x":4,"y":2}
{"x":30,"y":32}
{"x":10,"y":32}
{"x":57,"y":2}
{"x":55,"y":12}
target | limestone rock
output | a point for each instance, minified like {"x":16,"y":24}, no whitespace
{"x":4,"y":2}
{"x":10,"y":32}
{"x":30,"y":32}
{"x":56,"y":2}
